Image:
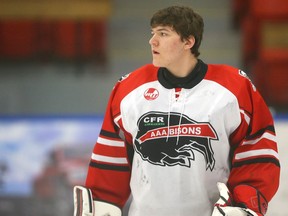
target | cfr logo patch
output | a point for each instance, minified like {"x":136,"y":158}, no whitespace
{"x":170,"y":139}
{"x":151,"y":94}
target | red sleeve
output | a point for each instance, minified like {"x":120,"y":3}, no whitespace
{"x":254,"y":155}
{"x":109,"y":169}
{"x":110,"y":166}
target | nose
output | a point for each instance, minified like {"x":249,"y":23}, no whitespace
{"x":153,"y":40}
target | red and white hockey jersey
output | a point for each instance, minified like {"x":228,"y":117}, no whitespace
{"x":167,"y":141}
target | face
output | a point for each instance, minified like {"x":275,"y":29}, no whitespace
{"x":167,"y":47}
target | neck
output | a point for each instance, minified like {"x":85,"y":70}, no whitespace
{"x":183,"y":67}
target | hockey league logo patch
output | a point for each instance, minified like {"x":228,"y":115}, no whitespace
{"x":151,"y":94}
{"x":174,"y":143}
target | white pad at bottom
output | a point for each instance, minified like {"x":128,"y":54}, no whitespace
{"x":83,"y":202}
{"x":85,"y":206}
{"x":106,"y":209}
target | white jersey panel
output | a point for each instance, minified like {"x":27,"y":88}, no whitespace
{"x":183,"y":178}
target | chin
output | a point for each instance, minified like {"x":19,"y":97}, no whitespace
{"x":157,"y":64}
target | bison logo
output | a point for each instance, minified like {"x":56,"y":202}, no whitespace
{"x":169,"y":139}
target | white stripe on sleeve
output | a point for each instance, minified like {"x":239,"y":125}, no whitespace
{"x":108,"y":142}
{"x":260,"y":152}
{"x":265,"y":135}
{"x":107,"y":159}
{"x":246,"y":117}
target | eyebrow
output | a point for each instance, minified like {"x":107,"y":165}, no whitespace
{"x":161,"y":29}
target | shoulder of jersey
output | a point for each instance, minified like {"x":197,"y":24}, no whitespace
{"x":226,"y":74}
{"x":143,"y":74}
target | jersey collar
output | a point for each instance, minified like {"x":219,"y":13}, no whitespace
{"x":168,"y":80}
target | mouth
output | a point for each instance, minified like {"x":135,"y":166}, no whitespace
{"x":155,"y":52}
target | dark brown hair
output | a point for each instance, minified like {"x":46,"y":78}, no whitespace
{"x":184,"y":21}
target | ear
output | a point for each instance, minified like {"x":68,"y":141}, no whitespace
{"x":189,"y":43}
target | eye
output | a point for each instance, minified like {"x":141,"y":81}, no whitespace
{"x":163,"y":34}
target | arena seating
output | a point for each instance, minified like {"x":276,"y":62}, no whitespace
{"x":259,"y":14}
{"x":45,"y":31}
{"x":270,"y":75}
{"x":264,"y":34}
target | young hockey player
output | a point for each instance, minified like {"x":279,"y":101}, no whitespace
{"x":182,"y":137}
